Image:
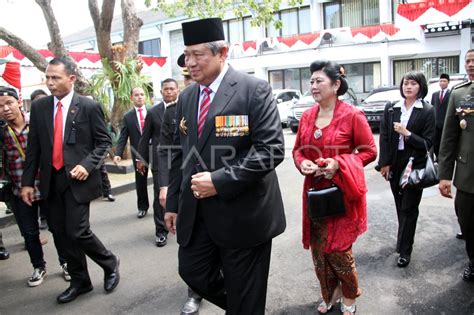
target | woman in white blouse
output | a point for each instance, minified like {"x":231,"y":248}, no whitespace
{"x":406,"y":130}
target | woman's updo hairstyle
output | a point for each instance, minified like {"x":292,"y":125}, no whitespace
{"x":333,"y":71}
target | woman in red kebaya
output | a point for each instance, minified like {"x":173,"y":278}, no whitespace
{"x":333,"y":144}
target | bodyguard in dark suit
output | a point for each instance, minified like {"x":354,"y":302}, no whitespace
{"x":406,"y":131}
{"x":133,"y":123}
{"x":151,"y":134}
{"x":440,"y":100}
{"x":224,"y":200}
{"x":456,"y":156}
{"x":67,"y":141}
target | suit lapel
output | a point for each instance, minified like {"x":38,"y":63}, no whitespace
{"x":415,"y":114}
{"x":191,"y":118}
{"x":71,"y":115}
{"x":222,"y":98}
{"x":49,"y":118}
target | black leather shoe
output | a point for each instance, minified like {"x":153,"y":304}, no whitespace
{"x":110,"y":197}
{"x":111,"y":280}
{"x":459,"y":236}
{"x":402,"y":262}
{"x":141,"y":213}
{"x":4,"y":254}
{"x":72,"y":293}
{"x":161,"y":239}
{"x":468,"y":273}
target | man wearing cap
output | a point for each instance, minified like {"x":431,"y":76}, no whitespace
{"x":224,"y":200}
{"x":440,"y":102}
{"x":68,"y":139}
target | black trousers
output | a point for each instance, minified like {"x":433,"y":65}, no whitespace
{"x":407,"y":202}
{"x":106,"y":188}
{"x":27,"y":219}
{"x":142,"y":188}
{"x":243,"y":287}
{"x":158,"y":211}
{"x":70,"y":220}
{"x":464,"y":205}
{"x":437,"y":141}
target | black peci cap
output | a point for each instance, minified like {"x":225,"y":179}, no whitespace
{"x":181,"y":61}
{"x":203,"y":31}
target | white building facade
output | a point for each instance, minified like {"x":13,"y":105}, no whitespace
{"x":376,"y":41}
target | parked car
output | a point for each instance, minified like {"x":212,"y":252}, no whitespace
{"x":285,"y":99}
{"x":374,"y":105}
{"x":307,"y":101}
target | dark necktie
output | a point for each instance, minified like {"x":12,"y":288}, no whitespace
{"x":58,"y":159}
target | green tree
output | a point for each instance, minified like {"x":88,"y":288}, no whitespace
{"x":262,"y":11}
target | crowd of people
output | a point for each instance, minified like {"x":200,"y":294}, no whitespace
{"x":54,"y":156}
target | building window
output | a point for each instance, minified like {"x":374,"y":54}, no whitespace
{"x":351,"y":13}
{"x":150,"y":47}
{"x":431,"y":67}
{"x":295,"y":21}
{"x":363,"y":77}
{"x":296,"y":79}
{"x":250,"y":33}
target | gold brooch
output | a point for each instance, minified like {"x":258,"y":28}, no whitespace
{"x":182,"y":127}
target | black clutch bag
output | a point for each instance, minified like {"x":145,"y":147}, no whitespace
{"x":326,"y":202}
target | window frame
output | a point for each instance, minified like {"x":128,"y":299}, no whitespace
{"x":298,"y":20}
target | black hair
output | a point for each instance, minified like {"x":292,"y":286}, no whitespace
{"x":69,"y":64}
{"x":419,"y":78}
{"x":469,"y":51}
{"x":136,"y":87}
{"x":168,"y":81}
{"x":332,"y":70}
{"x":37,"y":93}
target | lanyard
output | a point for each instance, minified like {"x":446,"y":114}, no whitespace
{"x":17,"y":143}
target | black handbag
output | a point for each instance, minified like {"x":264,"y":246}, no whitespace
{"x":424,"y":177}
{"x":325,"y":202}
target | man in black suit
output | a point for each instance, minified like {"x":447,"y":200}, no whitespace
{"x":151,"y":134}
{"x":133,"y":124}
{"x":440,"y":101}
{"x":224,"y":200}
{"x":67,"y":142}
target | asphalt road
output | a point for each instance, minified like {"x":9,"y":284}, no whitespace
{"x":150,"y":283}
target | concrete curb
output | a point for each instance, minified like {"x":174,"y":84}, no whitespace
{"x":10,"y":219}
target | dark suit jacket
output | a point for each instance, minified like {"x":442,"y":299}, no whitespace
{"x":422,"y":127}
{"x":130,"y":128}
{"x":248,"y":208}
{"x":151,"y":131}
{"x":440,"y":108}
{"x":456,"y":154}
{"x":86,"y":141}
{"x":168,"y":127}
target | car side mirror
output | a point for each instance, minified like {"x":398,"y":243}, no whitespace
{"x":279,"y":100}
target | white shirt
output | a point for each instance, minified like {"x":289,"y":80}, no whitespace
{"x":214,"y":86}
{"x":66,"y":102}
{"x":405,"y":117}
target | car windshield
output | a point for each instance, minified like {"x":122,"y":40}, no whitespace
{"x":390,"y":95}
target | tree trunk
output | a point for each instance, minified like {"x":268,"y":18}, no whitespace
{"x":131,"y":29}
{"x":28,"y":51}
{"x":56,"y":46}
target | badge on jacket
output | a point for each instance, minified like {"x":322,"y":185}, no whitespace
{"x":232,"y":126}
{"x":182,"y":127}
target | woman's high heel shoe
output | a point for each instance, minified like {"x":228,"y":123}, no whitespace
{"x":348,"y":308}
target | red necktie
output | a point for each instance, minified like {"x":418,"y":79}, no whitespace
{"x":203,"y":109}
{"x":142,"y":119}
{"x":58,"y":159}
{"x":441,"y":96}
